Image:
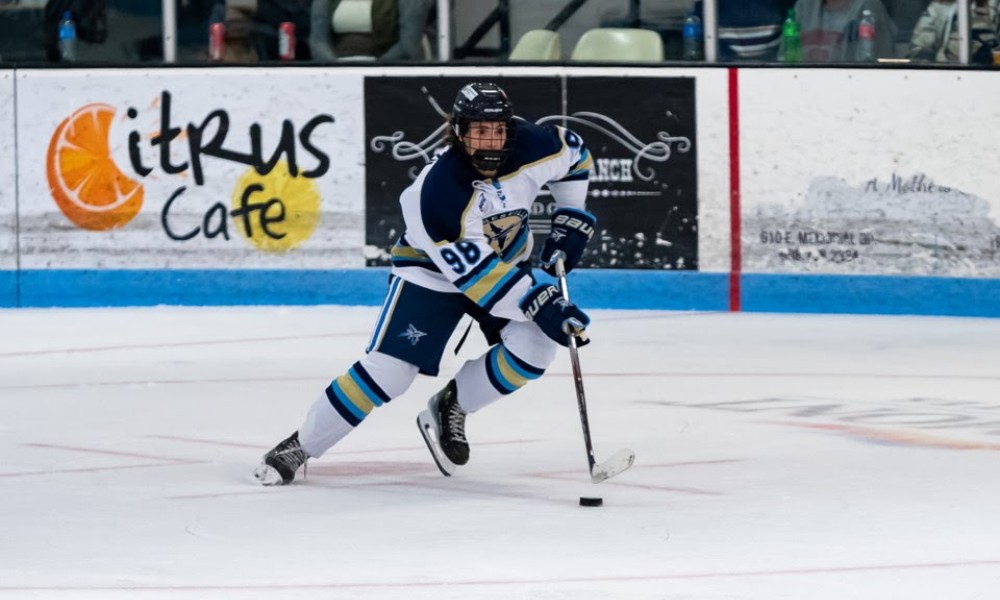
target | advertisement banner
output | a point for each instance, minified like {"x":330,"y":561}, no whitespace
{"x":643,"y":188}
{"x":857,"y":186}
{"x":190,"y":169}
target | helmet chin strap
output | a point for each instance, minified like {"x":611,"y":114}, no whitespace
{"x":487,"y":160}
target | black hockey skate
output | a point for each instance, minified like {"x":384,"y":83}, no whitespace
{"x":443,"y":427}
{"x":281,"y":463}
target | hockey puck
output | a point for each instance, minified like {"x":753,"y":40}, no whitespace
{"x":584,"y":501}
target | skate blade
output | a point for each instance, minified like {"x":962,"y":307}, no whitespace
{"x":267,"y":475}
{"x":428,"y":430}
{"x":616,"y":465}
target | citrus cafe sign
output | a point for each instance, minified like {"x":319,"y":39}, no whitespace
{"x":275,"y":204}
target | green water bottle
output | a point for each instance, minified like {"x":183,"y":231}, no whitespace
{"x":791,"y":49}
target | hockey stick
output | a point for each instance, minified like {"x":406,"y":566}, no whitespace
{"x":461,"y":342}
{"x":623,"y":459}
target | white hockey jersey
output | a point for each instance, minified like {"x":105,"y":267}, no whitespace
{"x":468,"y":234}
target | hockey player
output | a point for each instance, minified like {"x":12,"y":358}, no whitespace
{"x":465,"y":250}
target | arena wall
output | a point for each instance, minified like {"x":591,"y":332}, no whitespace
{"x":762,"y":189}
{"x":8,"y":193}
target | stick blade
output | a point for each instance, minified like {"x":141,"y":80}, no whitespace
{"x":616,"y":465}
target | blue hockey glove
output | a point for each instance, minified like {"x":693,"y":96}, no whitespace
{"x":571,"y":230}
{"x":544,"y":305}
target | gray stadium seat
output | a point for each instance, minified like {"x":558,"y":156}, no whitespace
{"x":537,"y":44}
{"x":619,"y":45}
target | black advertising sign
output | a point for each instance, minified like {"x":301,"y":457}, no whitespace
{"x":641,"y":133}
{"x":644,"y":189}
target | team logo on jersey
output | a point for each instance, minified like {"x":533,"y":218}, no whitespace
{"x":507,"y":232}
{"x":412,"y":334}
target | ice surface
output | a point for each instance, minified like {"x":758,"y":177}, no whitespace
{"x":778,"y":456}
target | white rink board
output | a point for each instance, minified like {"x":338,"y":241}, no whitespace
{"x":899,"y":165}
{"x":714,"y":240}
{"x":248,"y":97}
{"x":8,"y":178}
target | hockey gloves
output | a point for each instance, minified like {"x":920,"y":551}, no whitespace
{"x":571,"y":230}
{"x":544,"y":305}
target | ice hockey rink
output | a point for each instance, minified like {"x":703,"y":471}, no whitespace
{"x":814,"y":457}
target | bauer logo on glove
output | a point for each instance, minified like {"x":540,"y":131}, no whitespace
{"x":571,"y":230}
{"x":556,"y":317}
{"x":562,"y":222}
{"x":532,"y":304}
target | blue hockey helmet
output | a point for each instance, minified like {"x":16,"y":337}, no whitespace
{"x":483,"y":102}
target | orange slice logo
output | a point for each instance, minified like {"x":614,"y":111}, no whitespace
{"x":83,"y":179}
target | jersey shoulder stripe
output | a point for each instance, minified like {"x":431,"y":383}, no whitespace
{"x":578,"y":176}
{"x":583,"y":166}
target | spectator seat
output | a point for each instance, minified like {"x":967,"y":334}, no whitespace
{"x":604,"y":44}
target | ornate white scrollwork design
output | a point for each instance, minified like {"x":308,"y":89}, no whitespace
{"x":404,"y":151}
{"x":658,"y":151}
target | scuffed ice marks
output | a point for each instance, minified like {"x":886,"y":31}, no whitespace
{"x":900,"y":225}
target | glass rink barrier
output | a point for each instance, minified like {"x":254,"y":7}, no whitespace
{"x":803,"y":32}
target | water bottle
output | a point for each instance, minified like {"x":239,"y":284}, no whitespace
{"x":286,"y":41}
{"x":217,"y":42}
{"x":67,"y":38}
{"x":866,"y":38}
{"x":693,"y":38}
{"x":791,"y":49}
